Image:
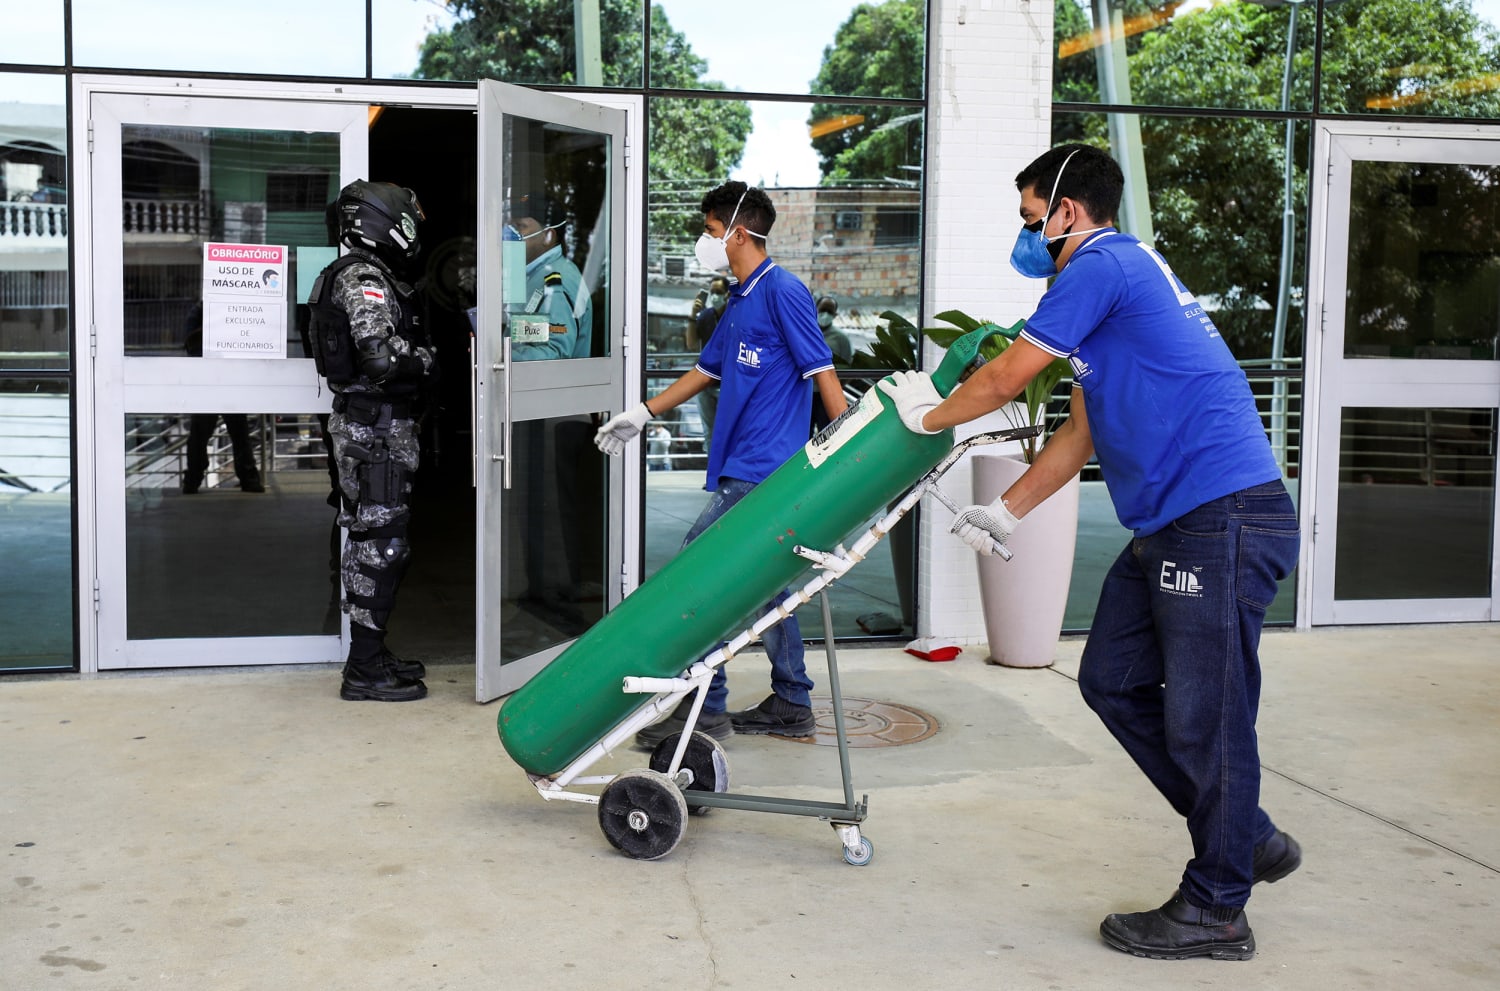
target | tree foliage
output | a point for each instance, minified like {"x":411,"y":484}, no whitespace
{"x":530,"y":42}
{"x":878,"y":51}
{"x":1217,"y":183}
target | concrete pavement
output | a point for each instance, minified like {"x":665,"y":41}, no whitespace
{"x":246,"y":829}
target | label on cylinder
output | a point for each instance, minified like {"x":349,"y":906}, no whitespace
{"x":841,"y":431}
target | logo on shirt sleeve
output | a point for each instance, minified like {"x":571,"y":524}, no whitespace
{"x":374,"y":293}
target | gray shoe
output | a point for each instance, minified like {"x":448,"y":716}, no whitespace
{"x":775,"y":715}
{"x":715,"y":724}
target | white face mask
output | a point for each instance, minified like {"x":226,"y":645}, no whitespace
{"x":713,"y":252}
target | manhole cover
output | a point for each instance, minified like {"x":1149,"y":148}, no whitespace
{"x":868,"y":723}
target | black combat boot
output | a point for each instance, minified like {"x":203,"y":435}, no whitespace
{"x":404,"y":667}
{"x":369,"y":674}
{"x":372,"y":679}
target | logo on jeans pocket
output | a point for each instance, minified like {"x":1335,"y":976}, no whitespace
{"x":1178,"y":581}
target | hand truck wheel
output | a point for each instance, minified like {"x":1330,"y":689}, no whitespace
{"x":643,"y":814}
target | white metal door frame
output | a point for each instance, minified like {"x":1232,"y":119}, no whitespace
{"x":1334,"y":382}
{"x":100,"y":391}
{"x":548,"y":388}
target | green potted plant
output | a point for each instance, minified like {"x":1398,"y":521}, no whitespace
{"x":1023,"y":599}
{"x":1030,"y":408}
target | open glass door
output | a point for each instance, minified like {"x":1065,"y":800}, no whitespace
{"x":1406,"y":516}
{"x":548,"y":368}
{"x":212,"y":520}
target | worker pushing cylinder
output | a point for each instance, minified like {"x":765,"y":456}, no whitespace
{"x":716,"y":584}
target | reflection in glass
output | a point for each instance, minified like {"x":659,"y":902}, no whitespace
{"x":838,"y":48}
{"x":1423,"y":59}
{"x":556,"y":255}
{"x":36,"y":524}
{"x":34,"y":330}
{"x":539,"y":43}
{"x":228,"y":559}
{"x":284,"y":37}
{"x":1424,"y":273}
{"x":555,"y":520}
{"x":184,"y":186}
{"x":854,"y":241}
{"x":1400,"y":465}
{"x":33,"y":33}
{"x":1231,"y":54}
{"x":1216,"y":189}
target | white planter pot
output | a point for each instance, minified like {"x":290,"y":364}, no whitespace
{"x":1024,"y":599}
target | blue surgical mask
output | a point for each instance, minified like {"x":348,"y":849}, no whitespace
{"x":1030,"y":256}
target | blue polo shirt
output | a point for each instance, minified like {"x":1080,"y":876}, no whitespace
{"x":1172,"y":417}
{"x":764,"y":352}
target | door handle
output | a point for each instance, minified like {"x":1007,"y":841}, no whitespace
{"x":503,"y":367}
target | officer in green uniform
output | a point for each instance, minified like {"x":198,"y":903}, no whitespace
{"x":556,"y":318}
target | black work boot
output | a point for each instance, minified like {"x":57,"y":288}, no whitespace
{"x":1275,"y":859}
{"x":375,"y":679}
{"x":775,"y":715}
{"x":715,"y":724}
{"x":1179,"y":930}
{"x":408,"y":669}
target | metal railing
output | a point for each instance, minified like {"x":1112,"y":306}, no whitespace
{"x":35,"y":223}
{"x":156,"y":448}
{"x":166,"y":218}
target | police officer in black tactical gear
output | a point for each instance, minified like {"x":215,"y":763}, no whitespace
{"x":367,"y":343}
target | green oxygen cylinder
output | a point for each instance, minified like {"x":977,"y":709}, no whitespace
{"x":719,"y":583}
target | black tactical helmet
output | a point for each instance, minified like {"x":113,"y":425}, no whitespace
{"x":380,"y":216}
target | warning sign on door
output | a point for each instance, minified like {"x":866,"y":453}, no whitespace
{"x":244,"y":300}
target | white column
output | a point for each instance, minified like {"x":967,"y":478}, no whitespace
{"x":989,"y":77}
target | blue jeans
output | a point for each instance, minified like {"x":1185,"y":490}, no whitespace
{"x":1172,"y":667}
{"x":783,"y":642}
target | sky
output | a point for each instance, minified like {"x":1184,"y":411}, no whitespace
{"x":772,"y":46}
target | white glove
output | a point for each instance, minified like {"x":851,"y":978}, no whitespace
{"x":914,"y":395}
{"x":621,"y":429}
{"x":985,"y":528}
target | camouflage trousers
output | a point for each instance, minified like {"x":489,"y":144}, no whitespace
{"x":376,"y":465}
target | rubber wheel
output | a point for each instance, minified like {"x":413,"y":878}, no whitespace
{"x":862,"y":854}
{"x":643,"y":814}
{"x":705,"y":757}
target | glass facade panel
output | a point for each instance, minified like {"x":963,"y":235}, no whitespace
{"x":36,"y":524}
{"x":222,"y":558}
{"x":1415,"y":290}
{"x":555,"y":519}
{"x":1225,"y":201}
{"x":1212,"y":194}
{"x":33,"y":223}
{"x":33,"y":33}
{"x":848,"y":224}
{"x":1399,"y":465}
{"x":1435,"y":59}
{"x":399,"y":33}
{"x":186,"y":187}
{"x":1231,"y":54}
{"x":833,"y":48}
{"x":539,"y":43}
{"x":556,"y":251}
{"x":284,"y":37}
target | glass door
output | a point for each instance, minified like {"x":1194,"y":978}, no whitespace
{"x":214,"y":533}
{"x":548,"y":369}
{"x":1405,"y":518}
